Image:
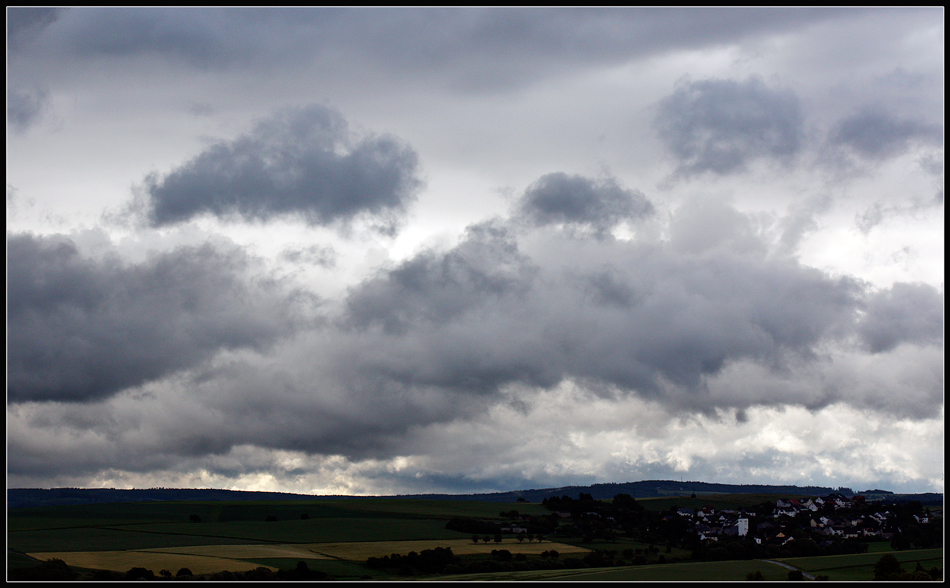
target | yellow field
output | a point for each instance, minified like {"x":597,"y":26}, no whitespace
{"x":123,"y":561}
{"x":204,"y":559}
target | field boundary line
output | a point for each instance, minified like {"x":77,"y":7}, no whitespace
{"x":188,"y":554}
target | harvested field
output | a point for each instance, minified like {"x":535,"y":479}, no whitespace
{"x":123,"y":561}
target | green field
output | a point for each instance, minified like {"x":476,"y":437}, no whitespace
{"x":681,"y":572}
{"x":858,"y":567}
{"x":336,"y":536}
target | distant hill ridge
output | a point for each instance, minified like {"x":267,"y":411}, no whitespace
{"x":644,"y":489}
{"x":23,"y":497}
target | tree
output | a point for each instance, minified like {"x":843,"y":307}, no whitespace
{"x":194,"y":518}
{"x":139,"y":574}
{"x":626,"y":501}
{"x":886,"y":567}
{"x":755,"y":576}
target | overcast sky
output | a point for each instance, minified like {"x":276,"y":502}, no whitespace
{"x":379,"y":251}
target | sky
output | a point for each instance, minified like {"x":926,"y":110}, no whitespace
{"x":378,"y":251}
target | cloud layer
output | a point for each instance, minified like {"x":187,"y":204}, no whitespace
{"x":461,"y":249}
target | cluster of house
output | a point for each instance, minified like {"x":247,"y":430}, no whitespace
{"x":844,"y":521}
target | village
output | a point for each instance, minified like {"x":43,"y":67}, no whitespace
{"x":834,"y":516}
{"x":830,"y":524}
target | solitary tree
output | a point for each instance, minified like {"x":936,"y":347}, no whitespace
{"x":886,"y":567}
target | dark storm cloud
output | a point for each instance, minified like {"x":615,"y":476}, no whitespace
{"x":301,"y":161}
{"x":600,"y":205}
{"x":911,"y":313}
{"x":721,"y":126}
{"x":876,"y":134}
{"x":82,"y":329}
{"x":641,"y":316}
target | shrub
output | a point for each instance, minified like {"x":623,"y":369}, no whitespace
{"x":259,"y":574}
{"x":139,"y":574}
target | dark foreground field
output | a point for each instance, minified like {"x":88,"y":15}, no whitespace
{"x":356,"y":539}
